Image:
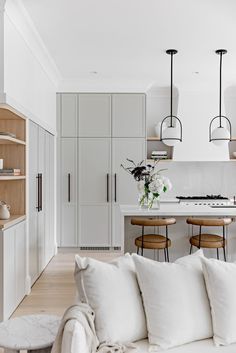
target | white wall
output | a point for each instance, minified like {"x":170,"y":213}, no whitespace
{"x":28,"y":85}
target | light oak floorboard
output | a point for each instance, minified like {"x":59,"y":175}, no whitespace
{"x":55,"y":290}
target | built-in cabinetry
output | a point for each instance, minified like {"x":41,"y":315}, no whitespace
{"x":41,"y":199}
{"x":97,"y":133}
{"x":13,"y":272}
{"x":12,"y":267}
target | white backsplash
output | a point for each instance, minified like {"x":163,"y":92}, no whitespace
{"x":200,"y":178}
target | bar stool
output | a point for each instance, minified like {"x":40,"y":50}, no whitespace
{"x":209,"y":241}
{"x":153,"y":241}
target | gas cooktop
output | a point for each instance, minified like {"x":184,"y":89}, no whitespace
{"x":206,"y":197}
{"x":207,"y":200}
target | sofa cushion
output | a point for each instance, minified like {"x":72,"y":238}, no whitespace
{"x":203,"y":346}
{"x":221,"y":286}
{"x":112,"y":290}
{"x":175,"y":300}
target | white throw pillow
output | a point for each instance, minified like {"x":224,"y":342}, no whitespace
{"x":175,"y":300}
{"x":221,"y":286}
{"x":112,"y":290}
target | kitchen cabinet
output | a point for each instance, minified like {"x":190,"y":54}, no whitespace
{"x":12,"y":268}
{"x":125,"y":188}
{"x":111,"y":128}
{"x":94,"y":115}
{"x":94,"y":191}
{"x":49,"y":199}
{"x":68,"y":115}
{"x":68,"y":202}
{"x":41,"y":199}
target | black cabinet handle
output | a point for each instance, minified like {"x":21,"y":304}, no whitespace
{"x":115,"y":187}
{"x":41,"y":191}
{"x":39,"y":178}
{"x":68,"y":187}
{"x":38,"y":193}
{"x":108,"y":187}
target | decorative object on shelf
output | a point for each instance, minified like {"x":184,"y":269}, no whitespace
{"x":9,"y":172}
{"x":1,"y":163}
{"x":172,"y":134}
{"x":159,"y":155}
{"x":223,"y":133}
{"x":4,"y":210}
{"x":158,"y":128}
{"x":150,"y":182}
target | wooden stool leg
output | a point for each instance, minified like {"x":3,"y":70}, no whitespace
{"x":191,"y":247}
{"x":224,"y":254}
{"x":167,"y":253}
{"x":137,"y":250}
{"x":217,"y":250}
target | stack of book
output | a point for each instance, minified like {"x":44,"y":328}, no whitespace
{"x":9,"y":172}
{"x":159,"y":155}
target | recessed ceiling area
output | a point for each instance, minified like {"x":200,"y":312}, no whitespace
{"x":127,"y":39}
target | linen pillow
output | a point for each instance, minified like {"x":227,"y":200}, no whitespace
{"x":220,"y":280}
{"x":112,"y":290}
{"x":175,"y":300}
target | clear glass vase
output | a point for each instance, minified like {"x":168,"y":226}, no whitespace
{"x":148,"y":201}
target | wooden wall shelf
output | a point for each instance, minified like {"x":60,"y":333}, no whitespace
{"x":8,"y":140}
{"x":13,"y":177}
{"x":153,"y":138}
{"x":13,"y":153}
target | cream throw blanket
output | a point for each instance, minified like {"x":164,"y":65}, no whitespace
{"x":85,"y":316}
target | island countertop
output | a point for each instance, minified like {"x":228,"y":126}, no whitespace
{"x":178,"y":210}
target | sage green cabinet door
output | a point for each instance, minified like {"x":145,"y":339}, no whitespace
{"x":94,"y":192}
{"x":128,"y":115}
{"x":94,"y":115}
{"x":68,"y":114}
{"x":68,"y":201}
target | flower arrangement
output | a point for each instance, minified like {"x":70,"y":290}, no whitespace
{"x":151,"y":184}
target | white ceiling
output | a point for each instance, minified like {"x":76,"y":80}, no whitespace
{"x":127,"y":39}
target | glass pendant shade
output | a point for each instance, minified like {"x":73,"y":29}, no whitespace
{"x":170,"y":136}
{"x":220,"y":136}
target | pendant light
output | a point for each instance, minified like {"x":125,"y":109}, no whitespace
{"x":171,"y":134}
{"x":222,"y":134}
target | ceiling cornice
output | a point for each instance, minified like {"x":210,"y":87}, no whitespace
{"x":17,"y":14}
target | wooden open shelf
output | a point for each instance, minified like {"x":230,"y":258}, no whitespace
{"x":13,"y":177}
{"x":13,"y":153}
{"x":8,"y":140}
{"x":161,"y":160}
{"x":153,"y":138}
{"x":14,"y":219}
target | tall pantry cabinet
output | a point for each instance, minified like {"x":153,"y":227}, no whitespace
{"x":97,"y":132}
{"x":41,"y":199}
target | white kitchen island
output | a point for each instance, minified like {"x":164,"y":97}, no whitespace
{"x":180,"y":232}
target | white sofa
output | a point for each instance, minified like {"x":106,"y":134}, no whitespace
{"x":183,"y":315}
{"x":74,"y":341}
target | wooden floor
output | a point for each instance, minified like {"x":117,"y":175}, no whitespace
{"x":55,"y":290}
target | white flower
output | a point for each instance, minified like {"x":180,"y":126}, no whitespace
{"x":140,"y":186}
{"x":156,"y":186}
{"x":167,"y":183}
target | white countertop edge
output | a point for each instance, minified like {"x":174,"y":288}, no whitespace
{"x":170,"y":209}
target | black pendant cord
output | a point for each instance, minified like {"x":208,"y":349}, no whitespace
{"x":171,"y":92}
{"x":220,"y":89}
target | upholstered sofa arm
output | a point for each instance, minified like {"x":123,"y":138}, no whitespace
{"x":74,"y":338}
